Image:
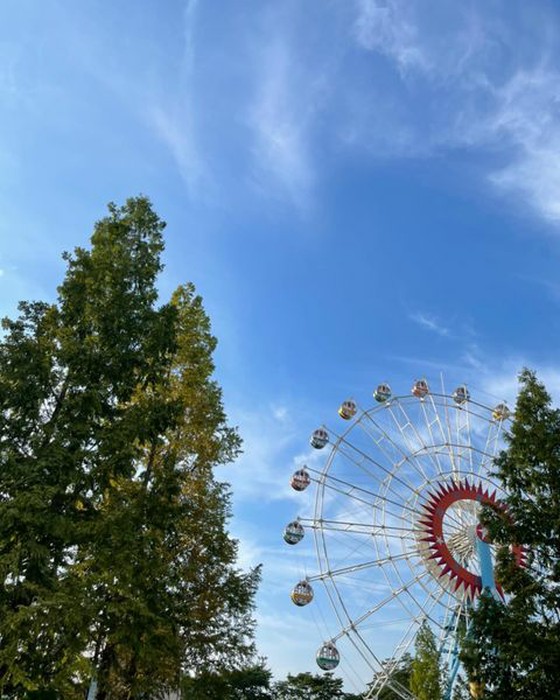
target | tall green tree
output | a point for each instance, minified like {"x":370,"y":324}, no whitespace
{"x":114,"y":553}
{"x":513,"y":648}
{"x":426,"y":678}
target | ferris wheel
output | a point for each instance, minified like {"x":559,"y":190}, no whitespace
{"x":396,"y":525}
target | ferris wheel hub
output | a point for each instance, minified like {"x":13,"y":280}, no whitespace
{"x":447,"y":533}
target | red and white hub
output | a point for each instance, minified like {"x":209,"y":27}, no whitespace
{"x":446,"y":532}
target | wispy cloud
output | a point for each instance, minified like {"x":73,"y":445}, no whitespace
{"x":485,"y":99}
{"x":385,"y":29}
{"x":491,"y":376}
{"x":173,"y":116}
{"x":430,"y":323}
{"x":174,"y":127}
{"x":502,"y":380}
{"x":280,"y":118}
{"x":271,"y":437}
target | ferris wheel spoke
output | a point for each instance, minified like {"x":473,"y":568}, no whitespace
{"x":355,"y":568}
{"x":354,"y":492}
{"x":446,"y":406}
{"x":359,"y":458}
{"x":328,"y":478}
{"x":359,"y":528}
{"x":434,"y":422}
{"x":410,"y":435}
{"x":407,"y":639}
{"x":358,"y":500}
{"x":463,"y":430}
{"x":434,"y":600}
{"x":376,"y":608}
{"x":385,"y":437}
{"x":455,"y":457}
{"x":490,"y":450}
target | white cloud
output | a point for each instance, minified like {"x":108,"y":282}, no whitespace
{"x":484,"y":99}
{"x":386,"y":29}
{"x":173,"y":117}
{"x":502,"y":381}
{"x":490,"y":376}
{"x":429,"y":322}
{"x":404,"y":32}
{"x":525,"y":116}
{"x":264,"y":469}
{"x":175,"y":129}
{"x":280,"y":118}
{"x":280,"y":413}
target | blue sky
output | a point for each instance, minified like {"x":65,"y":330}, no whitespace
{"x":361,"y":190}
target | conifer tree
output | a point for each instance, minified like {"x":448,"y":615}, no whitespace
{"x":114,"y":553}
{"x":426,"y":674}
{"x":513,"y":648}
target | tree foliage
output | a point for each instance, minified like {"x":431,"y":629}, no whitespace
{"x":307,"y":686}
{"x":513,"y":649}
{"x":426,"y":678}
{"x":114,"y":554}
{"x":248,"y":683}
{"x":398,"y":672}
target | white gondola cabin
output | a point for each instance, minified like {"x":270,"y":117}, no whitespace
{"x":420,"y":388}
{"x":319,"y":438}
{"x":302,"y":594}
{"x":461,"y":395}
{"x":300,"y":480}
{"x":293,"y":532}
{"x":382,"y":393}
{"x":347,"y":409}
{"x":328,"y":657}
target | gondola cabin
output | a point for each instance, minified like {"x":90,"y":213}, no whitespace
{"x":300,"y":480}
{"x":319,"y":438}
{"x":328,"y":657}
{"x":461,"y":395}
{"x":501,"y":412}
{"x":382,"y":393}
{"x":293,"y":532}
{"x":302,"y":594}
{"x":347,"y":409}
{"x":420,"y":388}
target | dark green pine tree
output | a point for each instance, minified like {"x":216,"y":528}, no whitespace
{"x":114,"y":553}
{"x":513,"y":649}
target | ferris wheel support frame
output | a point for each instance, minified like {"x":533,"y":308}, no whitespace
{"x":488,"y":585}
{"x":486,"y":568}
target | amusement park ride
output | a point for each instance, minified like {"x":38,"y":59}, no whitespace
{"x":396,"y":525}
